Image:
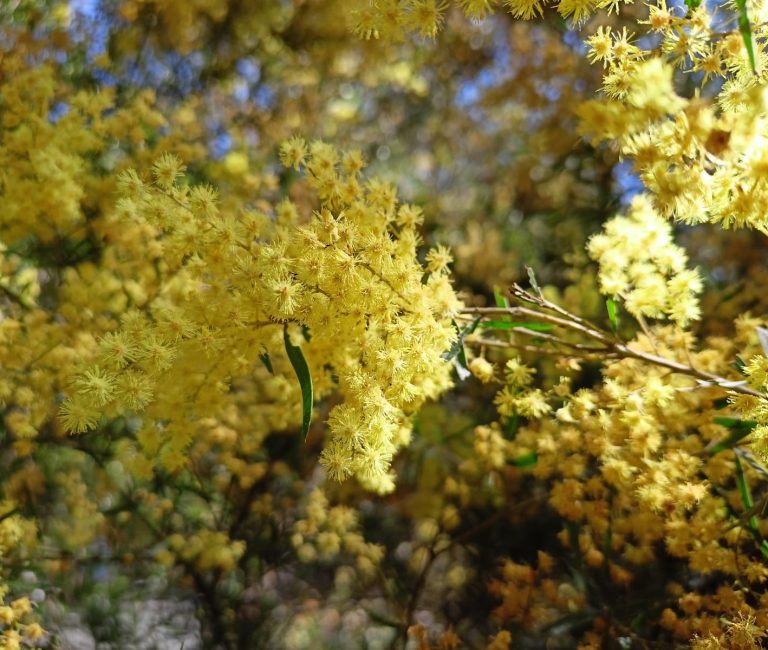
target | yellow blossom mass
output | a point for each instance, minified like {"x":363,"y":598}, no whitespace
{"x":384,"y":323}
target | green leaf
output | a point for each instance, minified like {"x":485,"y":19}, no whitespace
{"x":267,"y":362}
{"x":746,"y":500}
{"x":300,"y":367}
{"x":739,"y":364}
{"x":526,"y":460}
{"x":613,"y":313}
{"x":733,"y":423}
{"x":746,"y":32}
{"x":150,"y":134}
{"x":740,"y":429}
{"x":501,"y":301}
{"x":532,"y":280}
{"x":506,"y":325}
{"x":288,"y":177}
{"x":692,"y":4}
{"x":744,"y":492}
{"x":513,"y":424}
{"x":556,"y":21}
{"x":457,"y":349}
{"x":462,"y":367}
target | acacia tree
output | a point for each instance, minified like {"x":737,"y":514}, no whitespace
{"x":239,"y":353}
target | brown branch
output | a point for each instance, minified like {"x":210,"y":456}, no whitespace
{"x":583,"y":352}
{"x":612,"y":348}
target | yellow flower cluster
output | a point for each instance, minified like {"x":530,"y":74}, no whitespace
{"x":17,"y":631}
{"x":345,"y":282}
{"x":701,"y":157}
{"x":630,"y":467}
{"x":206,"y":550}
{"x":531,"y":597}
{"x":83,"y":521}
{"x":324,"y":533}
{"x":392,"y":19}
{"x":14,"y":529}
{"x":54,"y":155}
{"x":640,"y":263}
{"x":743,"y":630}
{"x":17,"y":626}
{"x":490,"y":446}
{"x":517,"y":397}
{"x":753,"y":408}
{"x":185,"y":26}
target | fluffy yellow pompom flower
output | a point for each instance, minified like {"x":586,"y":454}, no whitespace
{"x":293,"y":152}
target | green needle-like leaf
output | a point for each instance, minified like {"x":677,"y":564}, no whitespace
{"x":613,"y":313}
{"x":526,"y":460}
{"x":300,"y":367}
{"x":746,"y":32}
{"x":532,"y":279}
{"x":457,"y":349}
{"x":740,"y":429}
{"x":265,"y":359}
{"x":501,"y":301}
{"x":505,"y":325}
{"x":748,"y":503}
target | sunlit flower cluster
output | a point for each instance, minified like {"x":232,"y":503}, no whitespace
{"x":640,"y":263}
{"x":344,"y":284}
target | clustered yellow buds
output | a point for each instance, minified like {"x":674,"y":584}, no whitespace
{"x":325,"y":533}
{"x":205,"y":550}
{"x":531,"y":597}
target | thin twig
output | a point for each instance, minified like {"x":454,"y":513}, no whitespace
{"x":612,"y":348}
{"x":522,"y":294}
{"x":647,"y":331}
{"x":583,"y":353}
